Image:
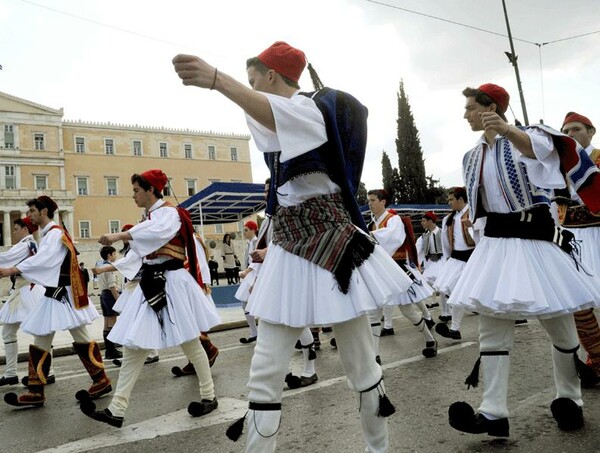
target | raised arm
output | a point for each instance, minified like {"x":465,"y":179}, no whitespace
{"x":196,"y":72}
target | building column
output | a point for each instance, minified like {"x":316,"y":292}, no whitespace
{"x":68,"y":219}
{"x":6,"y":229}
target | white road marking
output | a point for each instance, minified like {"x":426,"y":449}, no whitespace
{"x":229,"y":410}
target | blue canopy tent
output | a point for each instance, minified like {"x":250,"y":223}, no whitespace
{"x":225,"y":202}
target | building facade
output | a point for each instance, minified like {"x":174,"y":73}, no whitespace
{"x":86,"y":167}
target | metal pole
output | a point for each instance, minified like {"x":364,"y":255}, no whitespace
{"x":513,"y":59}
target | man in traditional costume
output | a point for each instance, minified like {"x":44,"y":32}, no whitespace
{"x":248,"y":276}
{"x":391,"y":233}
{"x":521,"y":268}
{"x":345,"y":275}
{"x":168,"y":308}
{"x":64,"y":306}
{"x":431,"y":253}
{"x":458,"y":244}
{"x":585,"y":226}
{"x":23,"y":296}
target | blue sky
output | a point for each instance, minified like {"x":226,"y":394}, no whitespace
{"x":110,"y":61}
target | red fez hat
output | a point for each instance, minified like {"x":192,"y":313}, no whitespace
{"x":284,"y":59}
{"x":431,"y":216}
{"x":498,"y":94}
{"x":48,"y":203}
{"x":156,"y":178}
{"x":127,"y":227}
{"x":573,"y":117}
{"x":29,"y":224}
{"x":251,"y":225}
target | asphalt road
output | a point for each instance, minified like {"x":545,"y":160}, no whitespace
{"x":322,"y":417}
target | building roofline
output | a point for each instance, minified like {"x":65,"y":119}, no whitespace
{"x":33,"y":104}
{"x":142,"y":128}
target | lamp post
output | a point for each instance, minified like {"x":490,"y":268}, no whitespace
{"x":512,"y":57}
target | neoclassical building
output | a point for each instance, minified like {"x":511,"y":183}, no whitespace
{"x":86,"y":167}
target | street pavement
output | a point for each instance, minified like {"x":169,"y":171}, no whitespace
{"x":319,"y":418}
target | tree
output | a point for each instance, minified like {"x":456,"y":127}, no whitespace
{"x":388,"y":175}
{"x":411,"y":167}
{"x":361,"y":194}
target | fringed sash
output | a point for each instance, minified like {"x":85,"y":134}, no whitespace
{"x":78,"y":287}
{"x":320,"y":231}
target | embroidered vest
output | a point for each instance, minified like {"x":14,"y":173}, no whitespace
{"x":578,"y":216}
{"x":405,"y":250}
{"x":70,"y":272}
{"x":175,"y":248}
{"x":465,"y":231}
{"x":437,"y":243}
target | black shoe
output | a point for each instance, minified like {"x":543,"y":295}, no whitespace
{"x":463,"y":418}
{"x":429,"y":323}
{"x":387,"y":332}
{"x":49,"y":380}
{"x":443,"y":318}
{"x":105,"y":416}
{"x":430,"y":349}
{"x":247,"y":340}
{"x":298,"y":345}
{"x":9,"y":380}
{"x":568,"y":415}
{"x":333,"y":343}
{"x":433,"y":305}
{"x":150,"y":360}
{"x":116,"y":354}
{"x":327,"y":329}
{"x":203,"y":407}
{"x":518,"y":322}
{"x":117,"y":363}
{"x":444,"y":331}
{"x":378,"y":359}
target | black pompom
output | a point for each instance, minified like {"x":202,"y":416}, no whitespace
{"x":386,"y":408}
{"x":293,"y":382}
{"x":235,"y":430}
{"x":586,"y":374}
{"x":473,"y":378}
{"x":82,"y":396}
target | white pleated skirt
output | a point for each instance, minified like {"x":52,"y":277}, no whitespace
{"x":296,"y":292}
{"x":517,"y":278}
{"x":418,"y":290}
{"x":589,"y":241}
{"x":433,"y":270}
{"x":21,"y":303}
{"x":449,"y":275}
{"x":188,"y":312}
{"x":52,"y":316}
{"x":243,"y":292}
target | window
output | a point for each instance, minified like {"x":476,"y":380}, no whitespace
{"x":9,"y":136}
{"x":109,"y":146}
{"x":187,"y":149}
{"x":219,"y":229}
{"x":114,"y":226}
{"x":191,"y":186}
{"x":212,"y":152}
{"x":84,"y":229}
{"x":167,"y":189}
{"x":38,"y":141}
{"x":41,"y":182}
{"x":234,"y":155}
{"x":111,"y":186}
{"x":162,"y":149}
{"x":79,"y":145}
{"x":10,"y":177}
{"x":137,"y":147}
{"x":82,"y":186}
